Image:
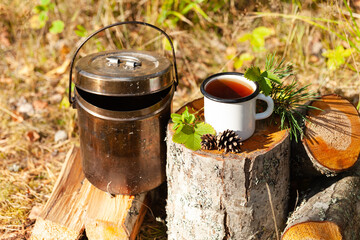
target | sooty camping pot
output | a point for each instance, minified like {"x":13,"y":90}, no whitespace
{"x":123,"y":99}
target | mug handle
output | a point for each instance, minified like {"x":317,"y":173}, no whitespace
{"x":269,"y":109}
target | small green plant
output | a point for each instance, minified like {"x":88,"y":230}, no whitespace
{"x":289,"y":100}
{"x":41,"y":17}
{"x":336,"y":57}
{"x":189,"y":129}
{"x":172,"y":11}
{"x":81,"y":31}
{"x":266,"y":79}
{"x":257,"y":38}
{"x":239,"y":60}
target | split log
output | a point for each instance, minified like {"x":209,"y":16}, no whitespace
{"x":117,"y":217}
{"x":332,"y":138}
{"x":75,"y":205}
{"x":331,"y":214}
{"x":61,"y":218}
{"x":212,"y":195}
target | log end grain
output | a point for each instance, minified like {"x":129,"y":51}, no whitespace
{"x":45,"y":229}
{"x":332,"y":213}
{"x":313,"y":230}
{"x":332,"y":137}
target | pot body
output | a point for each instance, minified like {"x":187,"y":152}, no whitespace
{"x":123,"y":146}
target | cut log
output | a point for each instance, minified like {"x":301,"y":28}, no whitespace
{"x":212,"y":195}
{"x":61,"y":218}
{"x":332,"y":138}
{"x":331,"y":214}
{"x":117,"y":217}
{"x":75,"y":205}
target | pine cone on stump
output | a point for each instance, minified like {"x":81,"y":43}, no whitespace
{"x":229,"y":141}
{"x":208,"y":142}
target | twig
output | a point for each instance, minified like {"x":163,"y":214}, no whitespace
{"x":273,"y":212}
{"x":297,"y":199}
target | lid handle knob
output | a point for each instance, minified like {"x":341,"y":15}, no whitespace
{"x":130,"y":62}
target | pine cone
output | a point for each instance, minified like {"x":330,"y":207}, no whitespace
{"x":229,"y":141}
{"x":208,"y":142}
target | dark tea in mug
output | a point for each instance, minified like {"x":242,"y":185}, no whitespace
{"x":228,"y":88}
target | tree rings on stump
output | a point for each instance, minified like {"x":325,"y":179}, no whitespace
{"x":332,"y":136}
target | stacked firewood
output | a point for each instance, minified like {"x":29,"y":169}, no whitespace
{"x":325,"y":183}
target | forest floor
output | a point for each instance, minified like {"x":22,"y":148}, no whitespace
{"x":38,"y":39}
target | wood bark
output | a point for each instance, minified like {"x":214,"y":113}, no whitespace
{"x":212,"y":195}
{"x":75,"y":205}
{"x":331,"y":214}
{"x":332,"y":138}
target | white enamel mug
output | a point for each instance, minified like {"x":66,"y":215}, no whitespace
{"x":237,"y":114}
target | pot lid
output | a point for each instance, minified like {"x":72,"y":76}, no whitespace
{"x":123,"y":73}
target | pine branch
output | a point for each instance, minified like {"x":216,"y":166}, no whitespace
{"x":288,"y":99}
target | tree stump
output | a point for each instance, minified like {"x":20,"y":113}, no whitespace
{"x":212,"y":195}
{"x":75,"y":205}
{"x":331,"y":214}
{"x":332,"y":138}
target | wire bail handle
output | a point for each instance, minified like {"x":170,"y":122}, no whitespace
{"x":72,"y":99}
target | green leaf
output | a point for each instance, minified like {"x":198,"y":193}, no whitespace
{"x":200,"y":11}
{"x":179,"y":128}
{"x":258,"y":43}
{"x":188,"y":131}
{"x":332,"y":64}
{"x":43,"y":17}
{"x":39,"y":9}
{"x":188,"y":7}
{"x":240,"y":61}
{"x":181,"y":17}
{"x":246,"y":57}
{"x":230,"y":56}
{"x":262,"y":32}
{"x":182,"y":136}
{"x":185,"y":114}
{"x":193,"y":142}
{"x":265,"y":86}
{"x":253,"y":74}
{"x":57,"y":26}
{"x":257,"y":38}
{"x":45,"y":2}
{"x":65,"y":103}
{"x":51,"y":6}
{"x":336,"y":57}
{"x":204,"y":128}
{"x":190,"y":119}
{"x":245,"y":37}
{"x":81,"y":31}
{"x":175,"y":126}
{"x":176,"y":118}
{"x":347,"y":52}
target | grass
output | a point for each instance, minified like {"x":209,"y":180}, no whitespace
{"x":34,"y":67}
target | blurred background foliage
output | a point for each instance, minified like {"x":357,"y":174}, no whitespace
{"x":38,"y":38}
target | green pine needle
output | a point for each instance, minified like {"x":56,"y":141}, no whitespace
{"x":288,"y":99}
